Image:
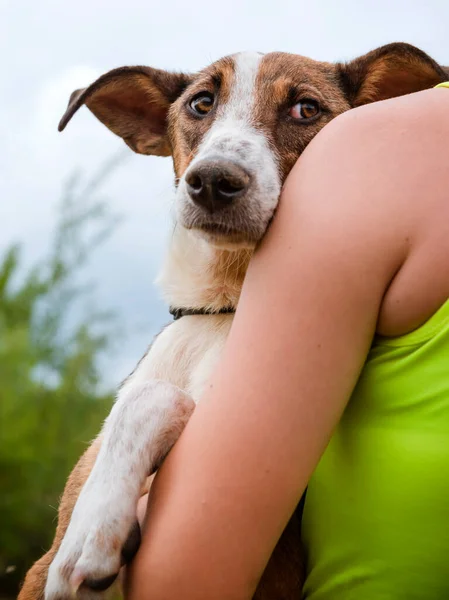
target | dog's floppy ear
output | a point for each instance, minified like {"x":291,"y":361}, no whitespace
{"x":390,"y":71}
{"x":133,"y":102}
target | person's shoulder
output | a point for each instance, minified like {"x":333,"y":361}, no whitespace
{"x":368,"y":170}
{"x":374,"y":183}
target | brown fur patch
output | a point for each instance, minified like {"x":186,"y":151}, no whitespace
{"x":284,"y":79}
{"x":390,"y":71}
{"x":133,"y":102}
{"x":284,"y":574}
{"x":184,"y":129}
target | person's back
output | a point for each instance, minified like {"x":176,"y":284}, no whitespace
{"x":377,"y":501}
{"x":376,"y":515}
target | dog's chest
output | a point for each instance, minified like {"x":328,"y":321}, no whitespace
{"x":187,"y":351}
{"x":214,"y":338}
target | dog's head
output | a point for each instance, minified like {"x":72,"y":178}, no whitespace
{"x":236,"y":128}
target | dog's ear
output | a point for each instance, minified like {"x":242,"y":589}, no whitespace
{"x":390,"y":71}
{"x":133,"y":102}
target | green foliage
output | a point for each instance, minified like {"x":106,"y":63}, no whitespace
{"x":51,"y":398}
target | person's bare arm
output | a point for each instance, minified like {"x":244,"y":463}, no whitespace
{"x":305,"y":322}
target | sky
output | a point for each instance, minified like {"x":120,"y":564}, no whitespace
{"x":50,"y":48}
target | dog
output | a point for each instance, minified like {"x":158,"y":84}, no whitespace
{"x":234,"y":131}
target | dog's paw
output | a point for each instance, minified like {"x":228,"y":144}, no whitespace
{"x":90,"y":557}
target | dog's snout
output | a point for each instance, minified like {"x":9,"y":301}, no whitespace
{"x":215,"y":184}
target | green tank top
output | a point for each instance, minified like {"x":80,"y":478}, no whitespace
{"x":376,"y":514}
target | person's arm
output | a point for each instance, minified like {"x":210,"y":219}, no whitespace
{"x":304,"y":324}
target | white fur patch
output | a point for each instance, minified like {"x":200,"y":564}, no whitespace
{"x":234,"y":136}
{"x":238,"y":109}
{"x":195,"y":274}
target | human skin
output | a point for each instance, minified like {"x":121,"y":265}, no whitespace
{"x":360,"y":244}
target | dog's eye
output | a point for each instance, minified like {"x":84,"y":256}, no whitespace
{"x":306,"y":109}
{"x":202,"y":103}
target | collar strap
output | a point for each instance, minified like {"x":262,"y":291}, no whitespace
{"x":184,"y":312}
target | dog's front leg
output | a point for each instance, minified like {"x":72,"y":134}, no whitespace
{"x":143,"y":425}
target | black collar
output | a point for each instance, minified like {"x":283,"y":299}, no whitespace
{"x":184,"y":312}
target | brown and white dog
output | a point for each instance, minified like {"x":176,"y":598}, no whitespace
{"x":234,"y":131}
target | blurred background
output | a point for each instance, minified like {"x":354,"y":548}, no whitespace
{"x":84,"y":221}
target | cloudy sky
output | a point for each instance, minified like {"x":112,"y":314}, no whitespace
{"x":48,"y":48}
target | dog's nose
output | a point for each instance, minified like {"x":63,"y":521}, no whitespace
{"x":215,"y":184}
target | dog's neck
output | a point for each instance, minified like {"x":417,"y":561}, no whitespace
{"x":197,"y":275}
